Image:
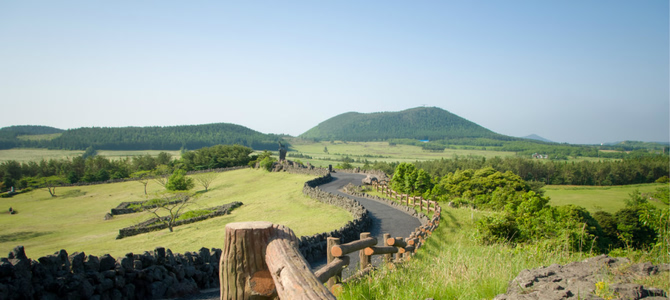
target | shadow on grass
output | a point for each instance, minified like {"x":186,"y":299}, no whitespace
{"x":451,"y":218}
{"x":72,"y":194}
{"x":22,"y":235}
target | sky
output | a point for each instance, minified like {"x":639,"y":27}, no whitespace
{"x":581,"y":72}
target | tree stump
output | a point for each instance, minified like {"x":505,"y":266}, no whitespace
{"x":243,"y":271}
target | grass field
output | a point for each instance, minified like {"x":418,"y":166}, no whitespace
{"x":25,"y":155}
{"x":380,"y":151}
{"x":595,"y":198}
{"x":75,"y":220}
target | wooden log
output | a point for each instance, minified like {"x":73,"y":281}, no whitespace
{"x":364,"y":258}
{"x":387,"y":257}
{"x":380,"y":250}
{"x":332,"y":269}
{"x":398,"y":255}
{"x":395,"y":242}
{"x":344,"y":249}
{"x":410,"y":248}
{"x":337,"y":278}
{"x":289,"y":270}
{"x":243,"y":271}
{"x":411,"y":242}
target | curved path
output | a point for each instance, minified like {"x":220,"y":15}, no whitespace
{"x":385,"y":219}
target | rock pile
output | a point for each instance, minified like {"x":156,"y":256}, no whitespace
{"x":156,"y":275}
{"x":579,"y":280}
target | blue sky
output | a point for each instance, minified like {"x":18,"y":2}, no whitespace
{"x":569,"y":71}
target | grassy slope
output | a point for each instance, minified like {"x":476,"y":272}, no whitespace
{"x":595,"y":198}
{"x":76,"y":223}
{"x":451,"y":265}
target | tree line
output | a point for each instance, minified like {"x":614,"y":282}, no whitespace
{"x":632,"y":170}
{"x":525,"y":215}
{"x":90,"y":167}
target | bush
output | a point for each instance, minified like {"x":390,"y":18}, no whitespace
{"x":194,"y":213}
{"x":179,"y":182}
{"x":267,"y":163}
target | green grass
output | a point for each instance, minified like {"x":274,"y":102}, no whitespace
{"x":76,"y":222}
{"x":26,"y":154}
{"x":451,"y":265}
{"x":596,"y":198}
{"x":397,"y":153}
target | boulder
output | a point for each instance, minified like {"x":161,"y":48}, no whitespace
{"x":370,"y":179}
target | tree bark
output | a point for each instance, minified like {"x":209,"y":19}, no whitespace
{"x":243,"y":271}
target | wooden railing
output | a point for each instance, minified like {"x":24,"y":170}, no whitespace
{"x":262,"y":261}
{"x":419,"y":201}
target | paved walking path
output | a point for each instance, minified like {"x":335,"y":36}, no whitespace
{"x":385,"y":219}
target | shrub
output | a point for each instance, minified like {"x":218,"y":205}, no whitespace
{"x":267,"y":163}
{"x":179,"y":182}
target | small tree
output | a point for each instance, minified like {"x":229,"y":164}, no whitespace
{"x":143,"y":178}
{"x":161,"y":175}
{"x":51,"y":183}
{"x":171,"y":204}
{"x":179,"y":182}
{"x":205,"y":179}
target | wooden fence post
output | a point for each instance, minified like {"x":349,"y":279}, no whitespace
{"x":398,"y":255}
{"x":332,"y":241}
{"x":245,"y":276}
{"x":365,"y":259}
{"x":387,"y":257}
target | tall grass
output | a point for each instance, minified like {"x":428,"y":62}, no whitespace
{"x":452,"y":265}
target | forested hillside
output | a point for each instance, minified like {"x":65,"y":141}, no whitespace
{"x":30,"y":129}
{"x":147,"y":138}
{"x":421,"y":123}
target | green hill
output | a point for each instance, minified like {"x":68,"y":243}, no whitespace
{"x":146,"y":138}
{"x":421,"y":123}
{"x":30,"y":129}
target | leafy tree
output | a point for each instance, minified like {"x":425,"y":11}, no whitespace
{"x":90,"y":152}
{"x":179,"y":182}
{"x":51,"y":183}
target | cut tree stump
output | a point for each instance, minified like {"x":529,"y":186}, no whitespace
{"x":243,"y":271}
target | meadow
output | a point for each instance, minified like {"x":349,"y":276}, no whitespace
{"x":37,"y":154}
{"x":379,"y":151}
{"x":75,"y":219}
{"x":595,"y":198}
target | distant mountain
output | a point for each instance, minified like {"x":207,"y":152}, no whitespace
{"x":421,"y":123}
{"x":31,"y":129}
{"x":537,"y":138}
{"x":149,"y":138}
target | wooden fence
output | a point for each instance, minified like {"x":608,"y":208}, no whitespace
{"x":427,"y":204}
{"x":262,"y":261}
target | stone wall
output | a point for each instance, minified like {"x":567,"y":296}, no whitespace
{"x":151,"y":275}
{"x":144,"y":226}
